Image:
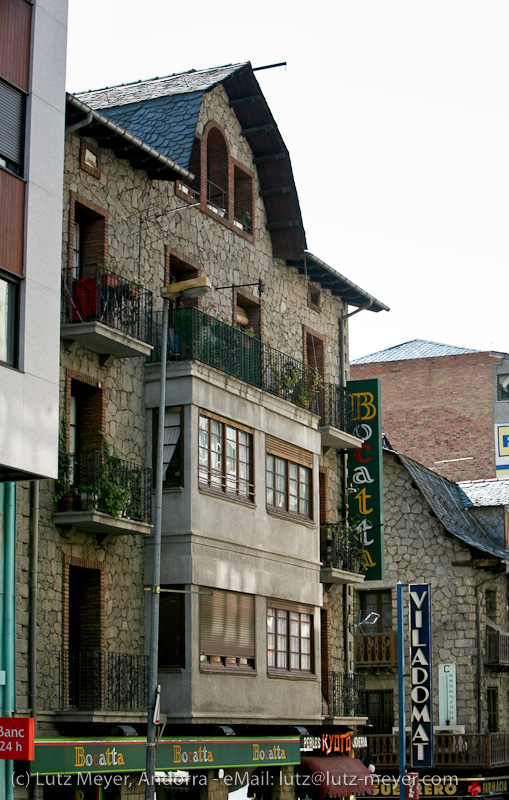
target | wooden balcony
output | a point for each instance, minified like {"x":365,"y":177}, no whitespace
{"x":497,"y":649}
{"x":376,"y":650}
{"x":458,"y":750}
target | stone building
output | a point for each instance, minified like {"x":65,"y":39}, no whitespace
{"x":430,"y":537}
{"x":166,"y":181}
{"x":447,"y":407}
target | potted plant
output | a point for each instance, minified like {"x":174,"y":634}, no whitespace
{"x":113,"y":494}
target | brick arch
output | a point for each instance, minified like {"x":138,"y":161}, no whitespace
{"x":216,"y":169}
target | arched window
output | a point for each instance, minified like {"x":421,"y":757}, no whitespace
{"x":217,"y":171}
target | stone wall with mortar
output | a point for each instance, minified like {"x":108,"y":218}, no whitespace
{"x":127,"y":196}
{"x":419,"y":550}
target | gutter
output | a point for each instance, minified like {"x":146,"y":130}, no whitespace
{"x":107,"y":123}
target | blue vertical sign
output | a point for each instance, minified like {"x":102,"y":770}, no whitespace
{"x":420,"y":673}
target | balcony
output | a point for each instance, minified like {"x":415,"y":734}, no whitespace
{"x":198,"y":336}
{"x":341,"y":554}
{"x":104,"y":494}
{"x":94,"y":684}
{"x":347,"y":697}
{"x":376,"y":650}
{"x":458,"y":750}
{"x":497,"y":650}
{"x":106,"y":313}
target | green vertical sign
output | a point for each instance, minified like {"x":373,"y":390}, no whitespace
{"x":365,"y":476}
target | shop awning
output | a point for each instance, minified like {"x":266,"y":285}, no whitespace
{"x":338,"y":776}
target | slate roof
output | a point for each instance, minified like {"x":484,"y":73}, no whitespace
{"x":416,"y":348}
{"x":446,"y":502}
{"x":163,"y":112}
{"x":492,"y":492}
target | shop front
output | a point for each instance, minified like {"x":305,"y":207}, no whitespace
{"x":113,"y":769}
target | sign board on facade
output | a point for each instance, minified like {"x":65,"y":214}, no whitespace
{"x":447,"y":694}
{"x":17,"y":738}
{"x":327,"y":744}
{"x":502,"y":451}
{"x":365,"y":473}
{"x":421,"y":697}
{"x":73,"y":756}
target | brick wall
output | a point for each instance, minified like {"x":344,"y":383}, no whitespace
{"x":435,"y":409}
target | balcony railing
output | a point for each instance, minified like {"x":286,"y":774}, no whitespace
{"x":451,"y":750}
{"x":376,"y":650}
{"x":497,"y":649}
{"x":341,"y":548}
{"x":347,"y":694}
{"x":97,"y":481}
{"x":195,"y":335}
{"x":99,"y":681}
{"x":100,"y":295}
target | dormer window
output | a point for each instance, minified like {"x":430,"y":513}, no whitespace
{"x":222,"y":187}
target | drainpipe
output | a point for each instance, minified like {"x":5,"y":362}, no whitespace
{"x":32,"y":645}
{"x":81,"y":124}
{"x":8,"y":632}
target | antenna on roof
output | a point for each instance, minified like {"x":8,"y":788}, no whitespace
{"x":270,"y":66}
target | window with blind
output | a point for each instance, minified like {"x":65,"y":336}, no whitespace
{"x":225,"y":458}
{"x":171,"y":628}
{"x":289,"y":478}
{"x":173,"y":455}
{"x":12,"y":128}
{"x":227,"y":625}
{"x":289,"y":640}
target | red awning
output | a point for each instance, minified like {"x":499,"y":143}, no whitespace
{"x":338,"y":776}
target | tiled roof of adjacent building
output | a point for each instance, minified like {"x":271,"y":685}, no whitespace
{"x":417,"y":348}
{"x":492,"y":492}
{"x":446,"y":501}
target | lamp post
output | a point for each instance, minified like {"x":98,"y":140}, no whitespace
{"x":191,"y":288}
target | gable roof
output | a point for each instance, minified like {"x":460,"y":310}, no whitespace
{"x":318,"y":271}
{"x":416,"y":348}
{"x":163,"y":113}
{"x":493,"y":492}
{"x":444,"y":498}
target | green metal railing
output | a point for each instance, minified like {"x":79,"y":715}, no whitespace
{"x":196,"y":335}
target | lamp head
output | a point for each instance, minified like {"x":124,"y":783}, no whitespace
{"x":191,"y":288}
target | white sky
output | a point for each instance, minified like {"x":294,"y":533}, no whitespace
{"x":396,"y":116}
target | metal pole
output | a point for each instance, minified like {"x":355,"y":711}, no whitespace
{"x":401,"y":690}
{"x":156,"y":572}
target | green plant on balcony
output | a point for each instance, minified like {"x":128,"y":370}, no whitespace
{"x":113,"y":495}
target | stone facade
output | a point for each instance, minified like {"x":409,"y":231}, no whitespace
{"x":90,"y":583}
{"x":419,"y":550}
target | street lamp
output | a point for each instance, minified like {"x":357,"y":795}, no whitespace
{"x":191,"y":288}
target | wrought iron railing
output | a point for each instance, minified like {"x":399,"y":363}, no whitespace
{"x":376,"y":650}
{"x":341,"y":547}
{"x":217,"y":196}
{"x":101,"y":482}
{"x":347,"y":695}
{"x":497,"y":649}
{"x":458,"y":750}
{"x":98,"y":680}
{"x":96,"y":294}
{"x":196,"y":335}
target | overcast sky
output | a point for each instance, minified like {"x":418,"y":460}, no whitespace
{"x":396,"y":117}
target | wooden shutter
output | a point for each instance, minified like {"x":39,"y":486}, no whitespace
{"x":277,"y":447}
{"x":12,"y":115}
{"x":227,"y":624}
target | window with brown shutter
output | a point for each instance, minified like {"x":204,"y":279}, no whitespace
{"x":227,"y":624}
{"x":289,"y":478}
